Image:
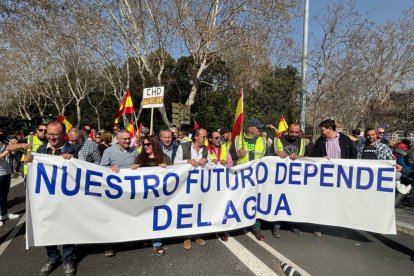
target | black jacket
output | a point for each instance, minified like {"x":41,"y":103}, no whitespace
{"x":348,"y":150}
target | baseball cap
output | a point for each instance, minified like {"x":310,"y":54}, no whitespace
{"x":254,"y":122}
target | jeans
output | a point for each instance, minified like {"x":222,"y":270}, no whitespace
{"x":256,"y":225}
{"x":68,"y":250}
{"x":156,"y":243}
{"x":18,"y":157}
{"x":4,"y":191}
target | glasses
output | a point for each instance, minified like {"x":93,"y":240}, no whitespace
{"x":146,"y":144}
{"x":41,"y":130}
{"x":125,"y":138}
{"x":55,"y":135}
{"x":381,"y":132}
{"x":216,"y":138}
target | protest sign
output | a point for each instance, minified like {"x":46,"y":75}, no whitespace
{"x":72,"y":201}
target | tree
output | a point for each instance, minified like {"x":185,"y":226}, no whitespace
{"x":210,"y":30}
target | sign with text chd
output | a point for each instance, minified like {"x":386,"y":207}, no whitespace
{"x":153,"y":97}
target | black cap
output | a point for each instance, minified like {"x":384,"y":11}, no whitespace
{"x":254,"y":122}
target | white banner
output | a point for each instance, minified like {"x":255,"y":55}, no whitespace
{"x":74,"y":202}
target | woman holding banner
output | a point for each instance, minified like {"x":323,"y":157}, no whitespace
{"x":151,"y":156}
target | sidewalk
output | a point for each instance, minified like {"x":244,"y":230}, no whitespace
{"x":404,"y":216}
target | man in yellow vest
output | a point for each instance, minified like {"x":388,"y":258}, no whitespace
{"x":250,"y":146}
{"x":226,"y":141}
{"x":35,"y":140}
{"x":291,"y":145}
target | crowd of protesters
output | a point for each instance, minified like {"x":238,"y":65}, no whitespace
{"x":116,"y":149}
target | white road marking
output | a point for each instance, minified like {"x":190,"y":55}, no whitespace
{"x":248,"y":258}
{"x":10,"y":237}
{"x":278,"y":255}
{"x":20,"y":181}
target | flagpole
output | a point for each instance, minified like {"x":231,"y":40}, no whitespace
{"x":242,"y":132}
{"x":152,"y":120}
{"x":135,"y":120}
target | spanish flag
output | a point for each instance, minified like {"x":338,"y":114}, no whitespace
{"x":131,"y":128}
{"x":282,"y":127}
{"x":116,"y":121}
{"x":239,"y":118}
{"x":62,"y":119}
{"x":127,"y":107}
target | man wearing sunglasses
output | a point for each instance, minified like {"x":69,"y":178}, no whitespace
{"x":217,"y":152}
{"x":35,"y":141}
{"x":381,"y":135}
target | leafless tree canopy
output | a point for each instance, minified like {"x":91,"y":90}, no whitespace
{"x":60,"y":54}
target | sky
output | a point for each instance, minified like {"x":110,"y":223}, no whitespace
{"x":378,"y":11}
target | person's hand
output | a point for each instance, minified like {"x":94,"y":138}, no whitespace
{"x":28,"y":158}
{"x":25,"y":146}
{"x":293,"y":156}
{"x":13,"y":141}
{"x":398,"y":167}
{"x":67,"y":156}
{"x":215,"y":161}
{"x":283,"y":154}
{"x":223,"y":162}
{"x":202,"y":161}
{"x":163,"y":165}
{"x":134,"y":166}
{"x":241,"y":152}
{"x":192,"y":162}
{"x":115,"y":168}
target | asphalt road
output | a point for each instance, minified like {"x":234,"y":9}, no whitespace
{"x":339,"y":251}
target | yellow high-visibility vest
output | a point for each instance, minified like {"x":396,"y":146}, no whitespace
{"x":259,"y":149}
{"x":278,"y":145}
{"x":35,"y":143}
{"x":223,"y":153}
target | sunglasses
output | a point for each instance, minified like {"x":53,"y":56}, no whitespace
{"x":216,"y":138}
{"x":42,"y":130}
{"x":381,"y":132}
{"x":146,"y":144}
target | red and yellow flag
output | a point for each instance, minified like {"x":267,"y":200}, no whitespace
{"x":238,"y":118}
{"x":127,"y":107}
{"x":131,"y":128}
{"x":282,"y":127}
{"x":62,"y":119}
{"x":116,"y":121}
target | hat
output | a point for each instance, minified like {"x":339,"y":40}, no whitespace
{"x":400,"y":151}
{"x":254,"y":122}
